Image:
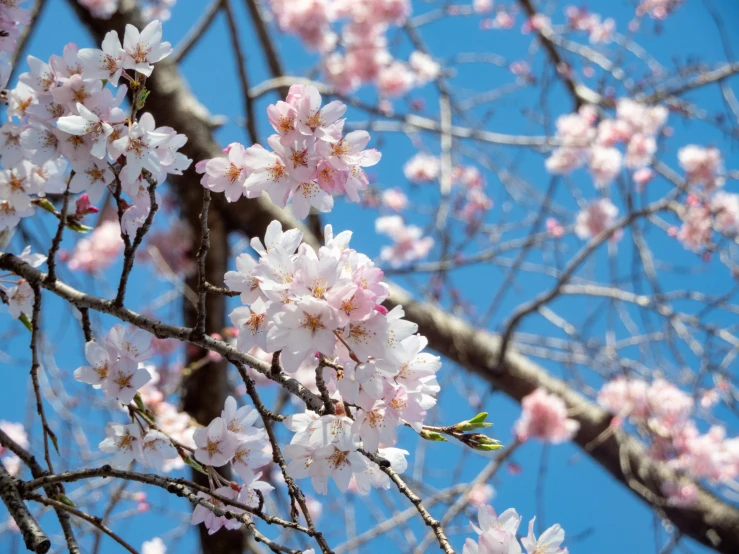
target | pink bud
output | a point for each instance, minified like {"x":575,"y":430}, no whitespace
{"x":380,"y":308}
{"x":514,"y":469}
{"x":83,"y":206}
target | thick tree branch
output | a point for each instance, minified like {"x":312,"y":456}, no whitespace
{"x":33,"y":536}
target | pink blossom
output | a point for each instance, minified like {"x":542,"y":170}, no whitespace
{"x":422,"y":168}
{"x":605,"y":164}
{"x":696,"y":230}
{"x":99,"y":250}
{"x":597,"y":217}
{"x":679,"y":494}
{"x":625,"y":396}
{"x":409,"y":243}
{"x":701,"y":165}
{"x":554,"y":228}
{"x":426,"y":68}
{"x":395,"y":79}
{"x":544,"y":416}
{"x":725,"y":207}
{"x":642,"y":177}
{"x":480,"y":494}
{"x":394,"y":199}
{"x":477,"y":204}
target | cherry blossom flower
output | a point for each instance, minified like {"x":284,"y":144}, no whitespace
{"x":139,"y":148}
{"x":394,"y":199}
{"x":99,"y":249}
{"x":207,"y":517}
{"x":105,"y":63}
{"x":316,"y":121}
{"x":131,"y":343}
{"x":422,"y":168}
{"x":216,"y":445}
{"x":252,"y":489}
{"x":409,"y":243}
{"x":725,"y":207}
{"x":144,"y":48}
{"x":124,"y":379}
{"x":124,"y":442}
{"x":100,"y":361}
{"x":425,"y":67}
{"x":547,"y":543}
{"x":251,"y":322}
{"x":228,"y":175}
{"x":701,"y":165}
{"x":599,"y":216}
{"x":87,"y":123}
{"x":156,"y":449}
{"x":544,"y":416}
{"x":303,"y":328}
{"x":605,"y":164}
{"x":20,"y":300}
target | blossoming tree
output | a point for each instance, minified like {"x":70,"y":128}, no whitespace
{"x":232,"y":358}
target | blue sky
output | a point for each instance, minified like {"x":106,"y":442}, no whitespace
{"x":601,"y":515}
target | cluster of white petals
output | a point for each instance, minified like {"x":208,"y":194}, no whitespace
{"x":64,"y":117}
{"x":326,"y":305}
{"x":497,"y":535}
{"x":311,"y":159}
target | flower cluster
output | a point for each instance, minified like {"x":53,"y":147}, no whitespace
{"x":98,"y":250}
{"x":63,"y":115}
{"x":665,"y":411}
{"x":544,"y":416}
{"x":20,"y":296}
{"x":409,"y":245}
{"x":497,"y":535}
{"x":150,"y":9}
{"x":471,"y":203}
{"x":595,"y":218}
{"x":585,"y":143}
{"x":364,"y":56}
{"x":114,"y":366}
{"x":310,"y":159}
{"x":706,"y":208}
{"x":657,"y":9}
{"x":580,"y":19}
{"x":11,"y":17}
{"x":322,"y":309}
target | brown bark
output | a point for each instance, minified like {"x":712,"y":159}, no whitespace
{"x":711,"y":521}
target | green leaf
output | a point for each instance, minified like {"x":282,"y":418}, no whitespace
{"x":477,"y":422}
{"x":196,"y":466}
{"x":44,"y":204}
{"x":139,"y":402}
{"x":25,"y":320}
{"x":141,"y":97}
{"x":488,"y":447}
{"x":77,"y":227}
{"x":64,"y":499}
{"x":432,"y":436}
{"x":52,"y":436}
